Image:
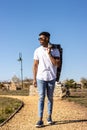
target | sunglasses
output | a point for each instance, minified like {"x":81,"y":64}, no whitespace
{"x":41,"y":38}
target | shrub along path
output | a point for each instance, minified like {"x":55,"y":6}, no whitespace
{"x":66,"y":116}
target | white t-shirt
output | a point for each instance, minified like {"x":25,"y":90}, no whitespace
{"x":46,"y":70}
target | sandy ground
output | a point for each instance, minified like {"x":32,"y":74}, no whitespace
{"x":66,"y":116}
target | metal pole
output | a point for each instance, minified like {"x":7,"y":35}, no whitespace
{"x":22,"y":74}
{"x":20,"y":60}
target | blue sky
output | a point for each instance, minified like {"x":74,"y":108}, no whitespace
{"x":22,"y":20}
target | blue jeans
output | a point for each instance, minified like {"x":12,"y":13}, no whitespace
{"x":45,"y":87}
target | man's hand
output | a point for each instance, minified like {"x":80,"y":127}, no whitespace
{"x":49,"y":50}
{"x":35,"y":83}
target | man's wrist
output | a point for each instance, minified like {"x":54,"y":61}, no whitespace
{"x":50,"y":54}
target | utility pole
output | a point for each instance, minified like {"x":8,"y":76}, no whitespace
{"x":20,"y":60}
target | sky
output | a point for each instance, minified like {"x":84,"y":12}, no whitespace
{"x":21,"y":21}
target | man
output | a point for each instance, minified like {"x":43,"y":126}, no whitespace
{"x":46,"y":61}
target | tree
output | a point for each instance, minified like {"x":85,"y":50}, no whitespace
{"x":84,"y":82}
{"x":70,"y":83}
{"x":15,"y":79}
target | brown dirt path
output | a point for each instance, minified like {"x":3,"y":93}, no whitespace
{"x":66,"y":115}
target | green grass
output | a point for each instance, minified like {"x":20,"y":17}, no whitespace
{"x":79,"y":96}
{"x":7,"y":107}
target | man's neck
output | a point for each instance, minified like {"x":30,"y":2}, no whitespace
{"x":45,"y":45}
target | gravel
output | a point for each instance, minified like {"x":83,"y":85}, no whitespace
{"x":66,"y":115}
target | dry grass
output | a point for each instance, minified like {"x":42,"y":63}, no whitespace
{"x":79,"y":96}
{"x":23,"y":92}
{"x":7,"y":107}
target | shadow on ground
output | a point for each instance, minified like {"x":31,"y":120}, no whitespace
{"x":66,"y":122}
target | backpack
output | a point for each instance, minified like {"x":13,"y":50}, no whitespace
{"x":58,"y":46}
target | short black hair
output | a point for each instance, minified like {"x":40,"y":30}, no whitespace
{"x":47,"y":34}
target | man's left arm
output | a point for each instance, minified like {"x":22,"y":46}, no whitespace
{"x":55,"y":59}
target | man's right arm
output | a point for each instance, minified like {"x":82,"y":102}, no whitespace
{"x":35,"y":68}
